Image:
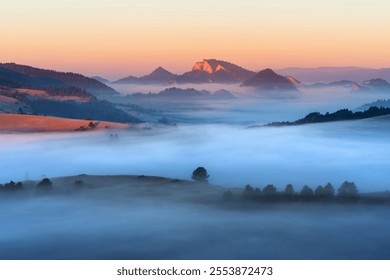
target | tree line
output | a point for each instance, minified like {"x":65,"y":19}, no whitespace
{"x":347,"y":191}
{"x":340,"y":115}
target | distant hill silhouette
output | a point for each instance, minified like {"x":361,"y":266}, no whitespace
{"x":158,"y":76}
{"x":379,"y":103}
{"x":330,"y":74}
{"x":373,"y":85}
{"x":184,"y":94}
{"x":341,"y":83}
{"x":16,"y":75}
{"x":377,"y":84}
{"x":268,"y":80}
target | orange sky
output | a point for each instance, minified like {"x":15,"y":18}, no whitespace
{"x":115,"y":38}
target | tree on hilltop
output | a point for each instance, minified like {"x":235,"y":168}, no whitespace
{"x":200,"y":174}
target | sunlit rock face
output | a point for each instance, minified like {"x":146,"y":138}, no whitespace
{"x":203,"y":66}
{"x":209,"y":66}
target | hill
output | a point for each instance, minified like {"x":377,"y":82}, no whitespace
{"x":71,"y":102}
{"x":340,"y":115}
{"x":31,"y":123}
{"x":268,"y":80}
{"x":16,"y":75}
{"x":101,"y":79}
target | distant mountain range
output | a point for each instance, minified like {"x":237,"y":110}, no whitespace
{"x":288,"y":79}
{"x":206,"y":71}
{"x":330,"y":74}
{"x":373,"y":85}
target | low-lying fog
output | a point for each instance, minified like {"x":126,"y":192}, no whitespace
{"x":250,"y":107}
{"x":76,"y":228}
{"x":213,"y":135}
{"x":234,"y":156}
{"x":217,"y":138}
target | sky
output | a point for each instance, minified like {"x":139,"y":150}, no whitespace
{"x":116,"y":38}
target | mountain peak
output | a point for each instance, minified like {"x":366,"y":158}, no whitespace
{"x":267,"y":72}
{"x":159,"y":74}
{"x":215,"y":71}
{"x":160,"y":70}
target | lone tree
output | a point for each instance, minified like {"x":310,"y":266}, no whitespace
{"x":200,"y":174}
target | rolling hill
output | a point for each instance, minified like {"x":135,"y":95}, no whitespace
{"x":16,"y":75}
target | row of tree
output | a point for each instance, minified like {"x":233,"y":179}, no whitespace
{"x":11,"y":186}
{"x":44,"y":185}
{"x":347,"y":190}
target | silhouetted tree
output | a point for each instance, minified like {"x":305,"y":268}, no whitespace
{"x":270,"y":190}
{"x":248,"y":189}
{"x":328,"y":190}
{"x":306,"y":192}
{"x":319,"y":191}
{"x":248,"y":192}
{"x":12,"y":186}
{"x":289,"y":190}
{"x":200,"y":174}
{"x":45,"y":185}
{"x":9,"y":186}
{"x":348,"y":190}
{"x":19,"y":186}
{"x":257,"y":192}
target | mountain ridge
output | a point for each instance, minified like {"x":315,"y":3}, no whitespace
{"x":158,"y":76}
{"x":330,"y":74}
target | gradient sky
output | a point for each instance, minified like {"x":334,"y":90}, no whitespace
{"x":115,"y":38}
